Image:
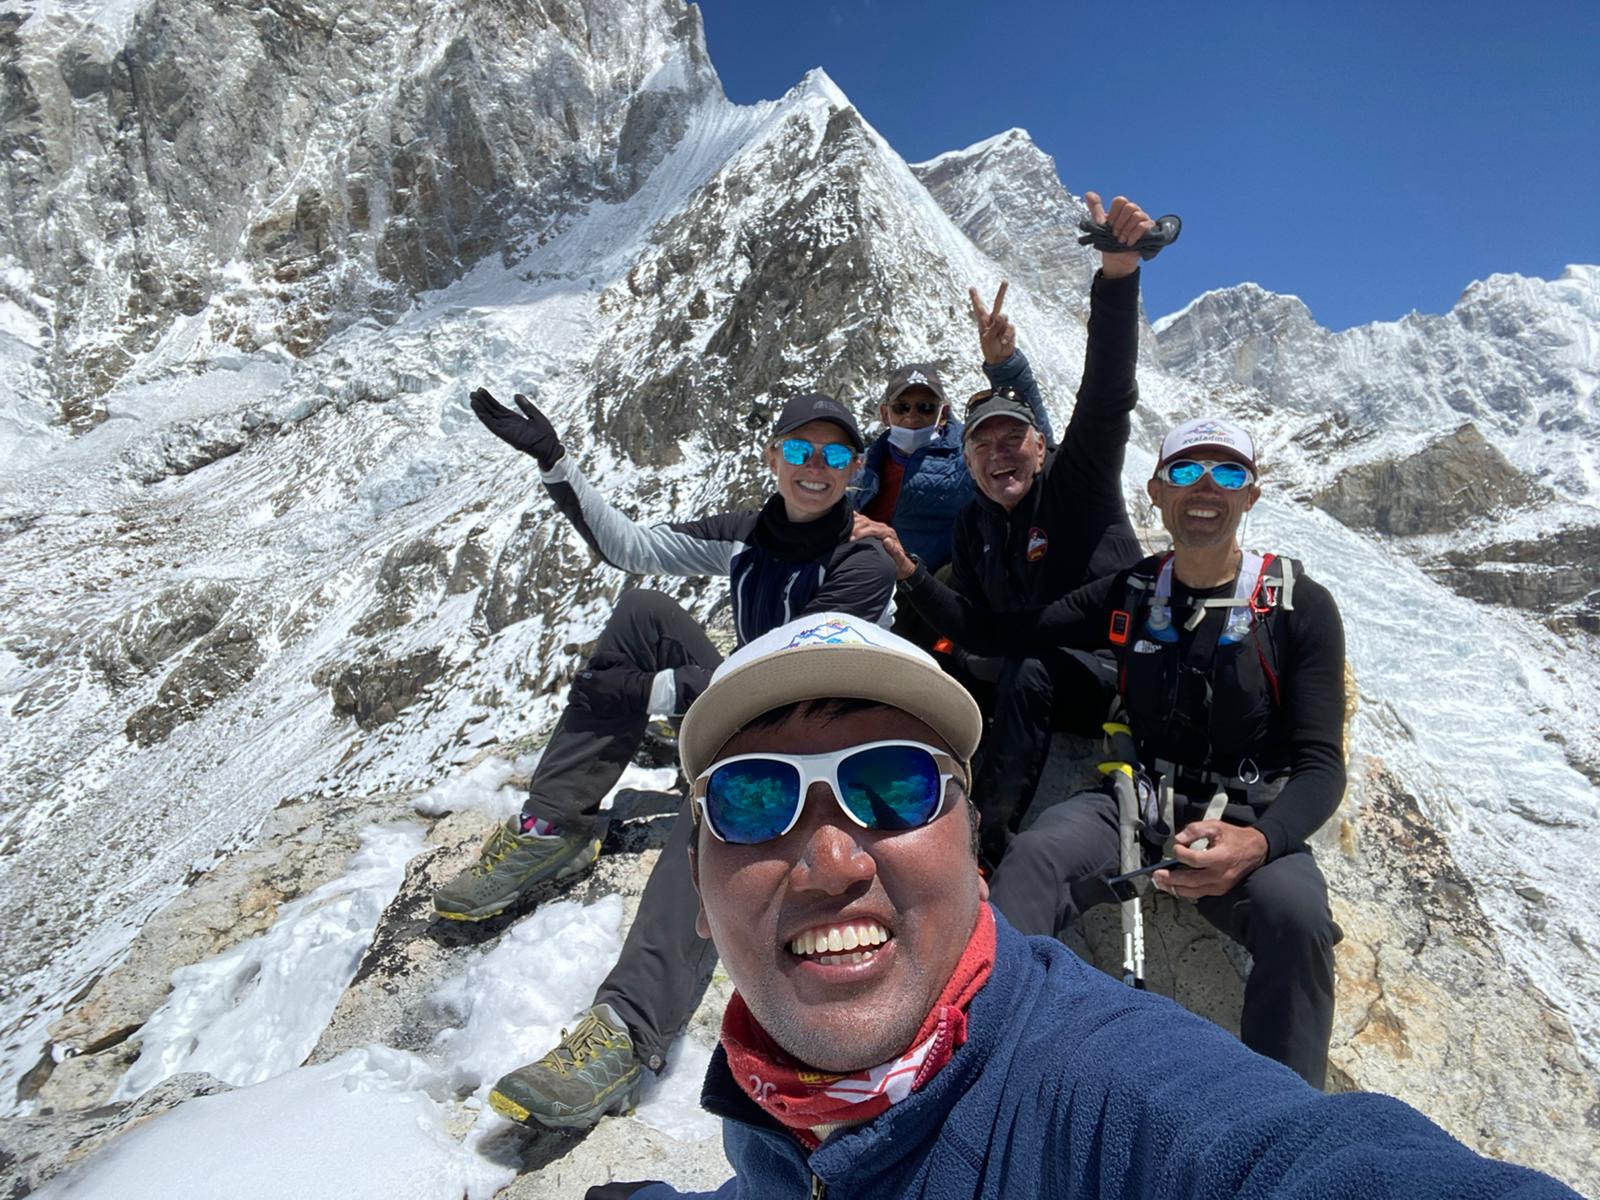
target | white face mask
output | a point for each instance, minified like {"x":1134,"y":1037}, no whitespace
{"x":909,"y":441}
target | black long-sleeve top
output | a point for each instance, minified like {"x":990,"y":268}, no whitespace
{"x":1073,"y":525}
{"x":1307,"y":726}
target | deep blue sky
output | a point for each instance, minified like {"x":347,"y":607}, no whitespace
{"x":1371,"y":159}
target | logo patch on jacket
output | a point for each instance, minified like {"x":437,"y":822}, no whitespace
{"x":1038,"y":544}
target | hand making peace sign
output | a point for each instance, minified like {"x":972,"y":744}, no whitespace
{"x":996,"y":334}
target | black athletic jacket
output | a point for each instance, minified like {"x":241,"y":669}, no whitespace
{"x":1072,"y":526}
{"x":1293,"y":725}
{"x":778,"y":570}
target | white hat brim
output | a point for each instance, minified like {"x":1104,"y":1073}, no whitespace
{"x":859,"y":672}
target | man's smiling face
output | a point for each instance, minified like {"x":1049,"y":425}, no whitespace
{"x":1003,"y":455}
{"x":902,"y":906}
{"x":1203,"y":515}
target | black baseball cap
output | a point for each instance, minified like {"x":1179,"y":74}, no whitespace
{"x":1001,"y":403}
{"x":914,"y":375}
{"x":814,"y":406}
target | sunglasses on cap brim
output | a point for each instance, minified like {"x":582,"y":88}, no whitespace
{"x":1186,"y":472}
{"x":836,"y":455}
{"x":888,"y":786}
{"x":1005,"y":393}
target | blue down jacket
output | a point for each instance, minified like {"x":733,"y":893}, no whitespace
{"x":1073,"y":1085}
{"x":936,"y":486}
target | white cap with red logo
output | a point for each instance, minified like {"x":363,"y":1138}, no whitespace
{"x":1207,"y":433}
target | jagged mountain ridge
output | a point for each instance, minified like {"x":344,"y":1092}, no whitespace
{"x":1517,"y":356}
{"x":320,"y":562}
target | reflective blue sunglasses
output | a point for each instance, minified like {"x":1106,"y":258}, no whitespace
{"x":887,"y":786}
{"x":798,"y":451}
{"x":1186,"y":472}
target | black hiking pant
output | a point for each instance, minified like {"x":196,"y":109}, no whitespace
{"x":1279,"y":912}
{"x":659,"y":977}
{"x":656,"y":982}
{"x":1069,"y":690}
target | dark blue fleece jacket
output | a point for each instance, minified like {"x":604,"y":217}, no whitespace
{"x":1073,"y":1085}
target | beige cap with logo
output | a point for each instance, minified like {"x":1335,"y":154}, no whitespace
{"x":826,"y":656}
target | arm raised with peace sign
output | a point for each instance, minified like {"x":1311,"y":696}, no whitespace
{"x":996,"y":334}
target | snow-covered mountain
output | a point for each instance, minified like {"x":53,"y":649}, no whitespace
{"x":256,"y":553}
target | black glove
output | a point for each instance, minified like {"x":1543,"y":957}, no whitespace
{"x":531,"y":433}
{"x":610,"y":688}
{"x":1151,"y":244}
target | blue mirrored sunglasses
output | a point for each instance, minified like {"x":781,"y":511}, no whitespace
{"x":1186,"y":472}
{"x":799,"y":451}
{"x":887,"y":786}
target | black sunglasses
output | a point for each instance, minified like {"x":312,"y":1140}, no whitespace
{"x":926,"y":407}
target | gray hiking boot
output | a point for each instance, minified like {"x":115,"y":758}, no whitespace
{"x":509,"y":864}
{"x":592,"y":1072}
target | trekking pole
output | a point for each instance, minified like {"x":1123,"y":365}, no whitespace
{"x":1121,"y":757}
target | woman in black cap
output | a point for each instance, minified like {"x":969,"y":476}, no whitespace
{"x":791,"y":556}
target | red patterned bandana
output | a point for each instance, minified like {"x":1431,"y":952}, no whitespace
{"x":804,"y":1100}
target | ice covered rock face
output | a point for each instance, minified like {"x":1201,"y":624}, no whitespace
{"x":266,"y":173}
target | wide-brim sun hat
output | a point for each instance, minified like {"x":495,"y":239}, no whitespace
{"x":826,"y":656}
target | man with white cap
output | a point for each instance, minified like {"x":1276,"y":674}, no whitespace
{"x":1231,"y":673}
{"x":890,"y":1035}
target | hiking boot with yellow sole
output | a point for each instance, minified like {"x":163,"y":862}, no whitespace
{"x":592,"y":1072}
{"x":511,"y":863}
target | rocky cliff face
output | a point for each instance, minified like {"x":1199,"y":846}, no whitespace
{"x":288,"y":582}
{"x":267,"y":173}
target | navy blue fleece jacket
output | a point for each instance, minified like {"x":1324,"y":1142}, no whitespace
{"x":1073,"y":1085}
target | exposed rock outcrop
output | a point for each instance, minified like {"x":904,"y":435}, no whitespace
{"x":1554,"y":575}
{"x":375,"y":691}
{"x":138,"y":643}
{"x":219,"y":664}
{"x":339,"y":161}
{"x":1446,"y":484}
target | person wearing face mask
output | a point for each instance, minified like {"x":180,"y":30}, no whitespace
{"x":913,"y":476}
{"x":793,"y":555}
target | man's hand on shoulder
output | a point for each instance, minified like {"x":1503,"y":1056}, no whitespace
{"x":1232,"y":853}
{"x":1129,"y":222}
{"x":996,"y":334}
{"x":865,"y":527}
